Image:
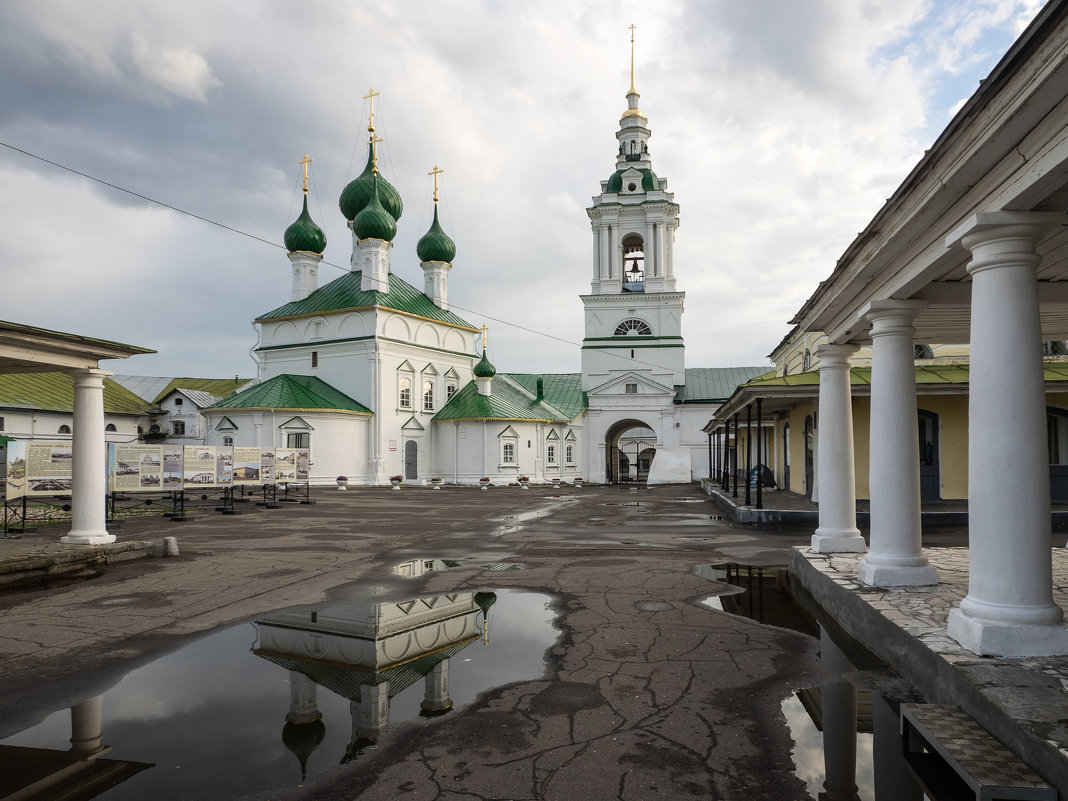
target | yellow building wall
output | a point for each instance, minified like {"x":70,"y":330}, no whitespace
{"x":952,"y":411}
{"x":861,"y":439}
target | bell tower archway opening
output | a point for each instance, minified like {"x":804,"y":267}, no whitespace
{"x":633,"y":263}
{"x":630,"y":446}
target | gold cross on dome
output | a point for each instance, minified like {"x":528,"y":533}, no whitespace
{"x":436,"y":172}
{"x":632,"y":27}
{"x":306,"y":161}
{"x":372,"y":93}
{"x":485,"y":329}
{"x":374,"y":151}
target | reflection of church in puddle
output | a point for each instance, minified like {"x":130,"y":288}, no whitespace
{"x":368,"y":654}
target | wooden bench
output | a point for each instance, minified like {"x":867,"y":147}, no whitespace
{"x":940,"y":740}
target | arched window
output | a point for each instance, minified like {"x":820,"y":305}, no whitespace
{"x":569,"y":454}
{"x":806,"y":361}
{"x":110,"y":427}
{"x":64,"y":429}
{"x":633,"y":328}
{"x":404,"y":399}
{"x":550,"y":454}
{"x":428,"y":396}
{"x":228,"y":442}
{"x":450,"y":390}
{"x":508,"y":453}
{"x":922,"y":352}
{"x":633,"y":263}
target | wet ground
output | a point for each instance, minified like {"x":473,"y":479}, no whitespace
{"x":646,"y":690}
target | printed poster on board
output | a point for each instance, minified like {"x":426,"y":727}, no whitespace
{"x":291,"y":465}
{"x":37,"y":469}
{"x":247,"y":467}
{"x":199,"y":466}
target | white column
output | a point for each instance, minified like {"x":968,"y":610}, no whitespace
{"x":1009,"y":609}
{"x":669,"y":248}
{"x":374,"y":710}
{"x":436,"y":688}
{"x":596,"y":255}
{"x":649,"y":248}
{"x":837,"y":481}
{"x":303,"y":705}
{"x":895,"y":557}
{"x":89,"y":465}
{"x":86,"y":721}
{"x":604,"y":252}
{"x":839,"y":709}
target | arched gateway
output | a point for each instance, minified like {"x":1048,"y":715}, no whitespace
{"x":630,"y":446}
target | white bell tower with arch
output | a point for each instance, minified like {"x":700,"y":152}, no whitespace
{"x":633,"y":354}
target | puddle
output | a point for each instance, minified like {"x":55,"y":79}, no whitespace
{"x":847,"y":743}
{"x":418,"y":567}
{"x":246,"y":709}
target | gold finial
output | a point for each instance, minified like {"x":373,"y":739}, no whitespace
{"x":436,"y":172}
{"x":485,"y":328}
{"x":306,"y":161}
{"x":374,"y":152}
{"x":485,"y":631}
{"x":371,"y":95}
{"x":632,"y":89}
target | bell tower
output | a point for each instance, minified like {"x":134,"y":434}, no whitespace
{"x":633,"y":312}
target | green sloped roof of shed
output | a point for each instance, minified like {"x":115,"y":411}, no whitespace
{"x":514,"y":398}
{"x":344,"y":294}
{"x":219,"y":387}
{"x":714,"y":384}
{"x":295,"y":393}
{"x":54,"y":392}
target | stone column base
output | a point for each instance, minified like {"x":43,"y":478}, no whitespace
{"x":880,"y":575}
{"x":87,"y":538}
{"x":988,"y":638}
{"x":838,"y":541}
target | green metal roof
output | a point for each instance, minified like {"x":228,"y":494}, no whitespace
{"x":714,"y":384}
{"x":294,"y":393}
{"x":219,"y":387}
{"x":514,"y":397}
{"x":926,"y":374}
{"x":304,"y":234}
{"x":54,"y":392}
{"x":649,"y":180}
{"x":344,"y":294}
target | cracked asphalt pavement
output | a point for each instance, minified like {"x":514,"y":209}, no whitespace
{"x":647,"y":693}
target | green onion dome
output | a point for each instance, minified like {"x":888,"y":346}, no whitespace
{"x":484,"y":369}
{"x":485,"y":600}
{"x":436,"y":244}
{"x":375,"y":222}
{"x":304,"y":234}
{"x":355,"y":197}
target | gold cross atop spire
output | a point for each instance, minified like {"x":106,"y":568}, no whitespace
{"x":632,"y":89}
{"x":436,"y":172}
{"x":306,"y":161}
{"x":374,"y":152}
{"x":372,"y":93}
{"x":485,"y":328}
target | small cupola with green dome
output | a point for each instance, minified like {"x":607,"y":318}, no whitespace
{"x":305,"y":242}
{"x":375,"y":221}
{"x":436,"y":250}
{"x":484,"y":371}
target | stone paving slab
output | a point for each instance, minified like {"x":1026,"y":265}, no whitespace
{"x":1021,"y":701}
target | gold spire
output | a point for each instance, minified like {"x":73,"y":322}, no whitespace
{"x":632,"y":89}
{"x":372,"y":93}
{"x":436,"y":172}
{"x":306,"y":161}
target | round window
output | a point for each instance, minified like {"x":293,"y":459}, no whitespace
{"x":631,"y":187}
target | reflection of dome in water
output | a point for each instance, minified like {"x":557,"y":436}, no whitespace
{"x":302,"y":739}
{"x":484,"y":600}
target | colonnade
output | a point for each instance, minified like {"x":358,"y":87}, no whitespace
{"x":89,"y":462}
{"x":1009,"y":609}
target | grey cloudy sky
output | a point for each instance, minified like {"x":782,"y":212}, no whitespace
{"x":781,"y":125}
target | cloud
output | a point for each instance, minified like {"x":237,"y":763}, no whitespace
{"x":180,"y":71}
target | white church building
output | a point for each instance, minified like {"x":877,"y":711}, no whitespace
{"x":379,"y":379}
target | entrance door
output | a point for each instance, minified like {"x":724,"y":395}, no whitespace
{"x":929,"y":480}
{"x":411,"y":459}
{"x":810,"y":459}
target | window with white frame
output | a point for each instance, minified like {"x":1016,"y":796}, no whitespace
{"x":404,"y":397}
{"x":110,"y":427}
{"x":64,"y":429}
{"x":450,"y":390}
{"x":550,"y":454}
{"x":508,"y":453}
{"x":509,"y":444}
{"x":300,"y":439}
{"x":428,"y":396}
{"x":178,"y":428}
{"x":630,"y":389}
{"x":228,"y":442}
{"x":569,"y":454}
